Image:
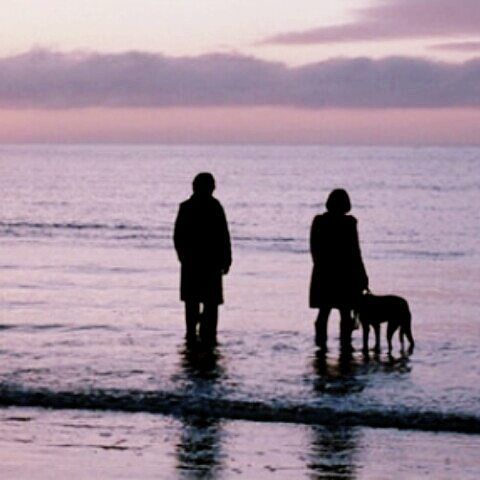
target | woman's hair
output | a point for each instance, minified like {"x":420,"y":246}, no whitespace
{"x":204,"y":183}
{"x":338,"y":201}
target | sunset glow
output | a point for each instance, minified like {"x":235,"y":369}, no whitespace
{"x":331,"y":72}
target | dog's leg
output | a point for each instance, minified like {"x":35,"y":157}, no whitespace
{"x":366,"y":331}
{"x":408,"y":333}
{"x":400,"y":336}
{"x":376,"y":328}
{"x":390,"y":331}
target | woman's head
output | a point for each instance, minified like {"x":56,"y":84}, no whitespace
{"x":338,"y":202}
{"x":203,"y":184}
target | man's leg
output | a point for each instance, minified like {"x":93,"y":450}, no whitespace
{"x":192,"y":318}
{"x":208,"y":323}
{"x":321,"y":327}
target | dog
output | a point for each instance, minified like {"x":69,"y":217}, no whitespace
{"x":372,"y":310}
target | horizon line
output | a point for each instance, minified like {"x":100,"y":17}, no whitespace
{"x":242,"y":144}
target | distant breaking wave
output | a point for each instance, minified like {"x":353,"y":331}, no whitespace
{"x":160,"y":236}
{"x":69,"y":226}
{"x":179,"y":405}
{"x":86,"y":231}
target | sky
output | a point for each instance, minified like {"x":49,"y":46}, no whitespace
{"x":236,"y":71}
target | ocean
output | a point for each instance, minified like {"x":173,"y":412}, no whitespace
{"x":95,"y":379}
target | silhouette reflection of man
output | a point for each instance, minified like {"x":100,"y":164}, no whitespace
{"x":202,"y":242}
{"x":199,"y":450}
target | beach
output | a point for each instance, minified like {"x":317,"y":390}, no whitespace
{"x":95,"y":378}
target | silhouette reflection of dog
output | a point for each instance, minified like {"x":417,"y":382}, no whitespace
{"x":376,"y":309}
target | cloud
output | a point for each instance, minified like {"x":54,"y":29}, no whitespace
{"x":43,"y":79}
{"x":395,"y":19}
{"x":46,"y":79}
{"x":458,"y":46}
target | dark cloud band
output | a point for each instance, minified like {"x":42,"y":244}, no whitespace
{"x":394,"y":20}
{"x":52,"y":80}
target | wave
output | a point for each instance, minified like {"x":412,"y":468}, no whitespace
{"x":180,"y":405}
{"x":86,"y":231}
{"x":429,"y":254}
{"x":69,"y":226}
{"x":153,"y":235}
{"x":160,"y":236}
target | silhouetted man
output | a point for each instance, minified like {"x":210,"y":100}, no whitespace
{"x":202,"y":242}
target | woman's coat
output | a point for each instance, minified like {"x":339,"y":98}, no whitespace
{"x":338,"y":276}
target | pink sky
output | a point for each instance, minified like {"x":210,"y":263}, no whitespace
{"x":243,"y":125}
{"x":358,"y":71}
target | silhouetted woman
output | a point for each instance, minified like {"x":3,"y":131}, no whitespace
{"x":338,"y":276}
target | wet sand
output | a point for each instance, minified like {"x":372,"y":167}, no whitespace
{"x":39,"y":445}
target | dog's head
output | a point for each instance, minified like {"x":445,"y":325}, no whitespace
{"x":363,"y":302}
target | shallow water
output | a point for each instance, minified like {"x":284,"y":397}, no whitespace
{"x":89,"y":279}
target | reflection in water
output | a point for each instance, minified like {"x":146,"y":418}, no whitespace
{"x":198,"y":451}
{"x":332,"y":453}
{"x":337,"y":377}
{"x":333,"y":449}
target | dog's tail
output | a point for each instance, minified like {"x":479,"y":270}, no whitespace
{"x":406,"y":329}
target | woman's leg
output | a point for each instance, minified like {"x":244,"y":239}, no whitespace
{"x":346,"y":327}
{"x":321,"y":327}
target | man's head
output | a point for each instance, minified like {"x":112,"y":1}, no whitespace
{"x":203,"y":184}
